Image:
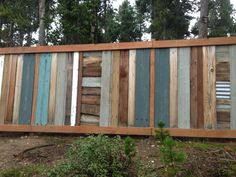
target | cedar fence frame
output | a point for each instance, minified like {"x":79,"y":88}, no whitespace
{"x":122,"y":130}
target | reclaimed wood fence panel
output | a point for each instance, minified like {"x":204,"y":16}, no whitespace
{"x":232,"y":53}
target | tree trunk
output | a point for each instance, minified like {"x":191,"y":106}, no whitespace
{"x":41,"y":22}
{"x":202,"y":24}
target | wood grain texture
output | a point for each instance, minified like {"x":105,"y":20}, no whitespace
{"x":92,"y":61}
{"x":173,"y":88}
{"x":5,"y":88}
{"x":209,"y":87}
{"x":89,"y":119}
{"x":10,"y":100}
{"x":61,"y":89}
{"x":69,"y":78}
{"x":74,"y":88}
{"x":115,"y":88}
{"x":91,"y":91}
{"x":123,"y":88}
{"x":91,"y":82}
{"x":27,"y":89}
{"x":184,"y":87}
{"x":131,"y":93}
{"x":52,"y":95}
{"x":162,"y":86}
{"x":41,"y":117}
{"x":142,"y":88}
{"x":223,"y":71}
{"x":79,"y":89}
{"x":106,"y":80}
{"x":1,"y":71}
{"x":152,"y":88}
{"x":17,"y":89}
{"x":222,"y":53}
{"x":90,"y":109}
{"x":232,"y":52}
{"x":35,"y":91}
{"x":94,"y":71}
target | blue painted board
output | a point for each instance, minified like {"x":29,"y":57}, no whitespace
{"x":41,"y":117}
{"x":162,"y":86}
{"x":26,"y":97}
{"x":142,"y":88}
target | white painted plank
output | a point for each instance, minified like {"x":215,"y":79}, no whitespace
{"x":74,"y":87}
{"x":232,"y":52}
{"x":91,"y":82}
{"x":184,"y":88}
{"x":1,"y":71}
{"x":131,"y":95}
{"x":105,"y":108}
{"x":89,"y":119}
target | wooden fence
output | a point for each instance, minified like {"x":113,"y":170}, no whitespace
{"x":121,"y":88}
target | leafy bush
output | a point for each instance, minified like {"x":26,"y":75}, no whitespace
{"x":96,"y":156}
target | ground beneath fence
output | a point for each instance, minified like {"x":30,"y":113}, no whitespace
{"x":36,"y":154}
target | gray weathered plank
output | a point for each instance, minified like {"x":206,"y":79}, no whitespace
{"x":91,"y":82}
{"x":233,"y":85}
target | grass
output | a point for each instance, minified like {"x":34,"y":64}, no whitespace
{"x":25,"y":171}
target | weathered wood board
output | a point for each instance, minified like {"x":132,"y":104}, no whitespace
{"x":27,"y":89}
{"x":106,"y":82}
{"x":91,"y":82}
{"x":41,"y":117}
{"x":142,"y":88}
{"x":232,"y":53}
{"x":1,"y":71}
{"x":162,"y":86}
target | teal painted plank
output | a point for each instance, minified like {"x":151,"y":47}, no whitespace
{"x":27,"y":89}
{"x":162,"y":86}
{"x":61,"y":89}
{"x":41,"y":117}
{"x":142,"y":88}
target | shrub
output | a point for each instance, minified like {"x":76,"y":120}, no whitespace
{"x":161,"y":134}
{"x":96,"y":156}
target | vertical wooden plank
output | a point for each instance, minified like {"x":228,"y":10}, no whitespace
{"x":200,"y":111}
{"x":152,"y":88}
{"x":74,"y":87}
{"x":193,"y":88}
{"x":43,"y":89}
{"x":5,"y":88}
{"x":105,"y":107}
{"x":27,"y":89}
{"x":79,"y":91}
{"x":52,"y":95}
{"x":10,"y":101}
{"x":61,"y":89}
{"x":209,"y":87}
{"x":162,"y":86}
{"x":123,"y":88}
{"x":131,"y":92}
{"x":1,"y":71}
{"x":184,"y":87}
{"x":232,"y":53}
{"x":17,"y":89}
{"x":142,"y":86}
{"x":115,"y":88}
{"x":69,"y":88}
{"x":173,"y":88}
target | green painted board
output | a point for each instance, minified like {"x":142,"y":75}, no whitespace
{"x":61,"y":89}
{"x":142,"y":88}
{"x":26,"y":97}
{"x":43,"y":89}
{"x":162,"y":86}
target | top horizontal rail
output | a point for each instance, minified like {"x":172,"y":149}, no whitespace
{"x":121,"y":46}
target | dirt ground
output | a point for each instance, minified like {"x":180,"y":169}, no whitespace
{"x":204,"y":158}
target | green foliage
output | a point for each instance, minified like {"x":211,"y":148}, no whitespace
{"x":98,"y":156}
{"x":161,"y":133}
{"x":130,"y":148}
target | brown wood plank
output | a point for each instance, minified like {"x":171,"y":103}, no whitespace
{"x":35,"y":92}
{"x":10,"y":101}
{"x":90,"y":99}
{"x":121,"y":46}
{"x":152,"y":87}
{"x":79,"y":89}
{"x":90,"y":109}
{"x":223,"y":102}
{"x":69,"y":88}
{"x":93,"y":71}
{"x":92,"y":62}
{"x":200,"y":118}
{"x":223,"y":71}
{"x":5,"y":87}
{"x":123,"y":88}
{"x":91,"y":91}
{"x":115,"y":88}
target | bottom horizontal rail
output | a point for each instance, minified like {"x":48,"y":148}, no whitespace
{"x":86,"y":129}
